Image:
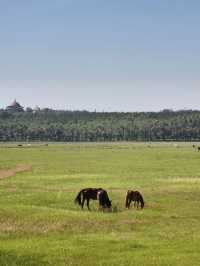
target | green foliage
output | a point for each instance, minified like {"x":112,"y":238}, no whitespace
{"x":51,"y":125}
{"x":41,"y":225}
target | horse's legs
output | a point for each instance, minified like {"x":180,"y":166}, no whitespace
{"x":100,"y":204}
{"x":140,"y":204}
{"x":83,"y":201}
{"x":129,"y":203}
{"x":88,"y":202}
{"x":100,"y":207}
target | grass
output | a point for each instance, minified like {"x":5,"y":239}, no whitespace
{"x":41,"y":225}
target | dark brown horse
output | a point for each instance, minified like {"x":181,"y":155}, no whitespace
{"x":104,"y":201}
{"x":86,"y":194}
{"x":136,"y":197}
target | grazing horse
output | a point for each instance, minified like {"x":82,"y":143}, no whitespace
{"x":104,"y":201}
{"x":86,"y":194}
{"x":134,"y":196}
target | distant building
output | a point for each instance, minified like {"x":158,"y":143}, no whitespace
{"x":15,"y":107}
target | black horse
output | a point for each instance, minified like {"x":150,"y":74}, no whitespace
{"x":134,"y":196}
{"x":104,"y":201}
{"x":86,"y":194}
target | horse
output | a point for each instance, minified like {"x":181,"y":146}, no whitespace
{"x":104,"y":201}
{"x":135,"y":196}
{"x":86,"y":194}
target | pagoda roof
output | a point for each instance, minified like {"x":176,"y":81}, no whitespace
{"x":15,"y":105}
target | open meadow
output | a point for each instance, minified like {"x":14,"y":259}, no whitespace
{"x":41,"y":225}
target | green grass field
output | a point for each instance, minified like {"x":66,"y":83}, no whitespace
{"x":41,"y":225}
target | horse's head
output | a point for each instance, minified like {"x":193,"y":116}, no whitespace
{"x":109,"y":203}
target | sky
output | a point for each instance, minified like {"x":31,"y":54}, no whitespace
{"x":104,"y":55}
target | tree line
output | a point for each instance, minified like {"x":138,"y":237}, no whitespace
{"x":57,"y":125}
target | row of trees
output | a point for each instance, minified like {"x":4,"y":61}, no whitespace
{"x":53,"y":125}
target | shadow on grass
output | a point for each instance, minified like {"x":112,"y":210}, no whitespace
{"x":114,"y":209}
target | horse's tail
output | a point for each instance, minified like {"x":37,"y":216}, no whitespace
{"x":142,"y":202}
{"x":78,"y":198}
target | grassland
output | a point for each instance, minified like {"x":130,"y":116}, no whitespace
{"x":41,"y":225}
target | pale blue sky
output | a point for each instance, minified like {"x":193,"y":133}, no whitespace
{"x":130,"y":55}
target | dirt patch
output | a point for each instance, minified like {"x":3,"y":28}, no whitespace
{"x":4,"y":173}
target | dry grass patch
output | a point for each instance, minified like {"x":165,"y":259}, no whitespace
{"x":4,"y":173}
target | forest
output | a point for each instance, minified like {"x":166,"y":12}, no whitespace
{"x":70,"y":126}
